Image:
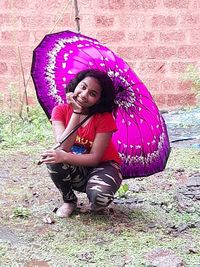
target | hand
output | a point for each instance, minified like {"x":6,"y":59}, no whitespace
{"x":53,"y":156}
{"x":71,"y":100}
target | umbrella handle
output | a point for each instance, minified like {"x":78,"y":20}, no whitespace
{"x":66,"y":137}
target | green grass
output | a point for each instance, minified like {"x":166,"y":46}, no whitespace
{"x":121,"y":238}
{"x":19,"y":131}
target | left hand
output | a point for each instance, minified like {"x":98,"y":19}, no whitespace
{"x":53,"y":156}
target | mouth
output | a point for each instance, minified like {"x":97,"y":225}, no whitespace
{"x":80,"y":102}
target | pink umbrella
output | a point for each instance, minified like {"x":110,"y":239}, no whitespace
{"x":142,"y":138}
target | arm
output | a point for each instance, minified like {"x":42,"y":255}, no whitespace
{"x":59,"y":129}
{"x":92,"y":159}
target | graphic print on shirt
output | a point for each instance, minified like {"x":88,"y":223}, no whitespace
{"x":81,"y":146}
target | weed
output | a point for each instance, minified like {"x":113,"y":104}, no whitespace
{"x":16,"y":130}
{"x":123,"y":191}
{"x":3,"y":250}
{"x":21,"y":212}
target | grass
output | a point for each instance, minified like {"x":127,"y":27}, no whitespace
{"x":121,"y":237}
{"x":18,"y":131}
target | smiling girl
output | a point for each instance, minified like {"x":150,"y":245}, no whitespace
{"x":88,"y":160}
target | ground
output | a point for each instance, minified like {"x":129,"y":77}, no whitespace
{"x":155,"y":223}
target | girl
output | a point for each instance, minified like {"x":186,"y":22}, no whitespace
{"x":88,"y":160}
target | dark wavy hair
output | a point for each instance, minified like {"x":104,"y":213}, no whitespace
{"x":107,"y":100}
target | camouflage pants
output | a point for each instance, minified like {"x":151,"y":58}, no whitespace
{"x":99,"y":183}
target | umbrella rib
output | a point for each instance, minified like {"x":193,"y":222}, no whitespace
{"x":142,"y":141}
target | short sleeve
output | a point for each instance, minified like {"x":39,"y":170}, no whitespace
{"x":60,"y":112}
{"x":106,"y":123}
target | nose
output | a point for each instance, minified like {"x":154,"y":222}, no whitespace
{"x":84,"y":94}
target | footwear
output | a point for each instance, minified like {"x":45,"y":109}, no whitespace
{"x":66,"y":210}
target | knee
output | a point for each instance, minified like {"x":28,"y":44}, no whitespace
{"x":99,"y":198}
{"x":56,"y":167}
{"x":55,"y":171}
{"x":53,"y":167}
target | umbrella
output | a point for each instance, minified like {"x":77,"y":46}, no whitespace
{"x":142,"y":138}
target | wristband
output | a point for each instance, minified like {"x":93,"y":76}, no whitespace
{"x":77,"y":112}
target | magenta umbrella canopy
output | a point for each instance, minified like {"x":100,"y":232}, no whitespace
{"x":142,"y":138}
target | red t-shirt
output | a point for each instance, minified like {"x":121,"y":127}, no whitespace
{"x":99,"y":123}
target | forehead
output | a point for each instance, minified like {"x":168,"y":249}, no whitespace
{"x":92,"y":83}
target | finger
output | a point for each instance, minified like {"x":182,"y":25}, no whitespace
{"x":48,"y":160}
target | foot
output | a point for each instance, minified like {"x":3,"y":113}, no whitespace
{"x":66,"y":210}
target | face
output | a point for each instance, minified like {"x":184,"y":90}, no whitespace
{"x":88,"y":92}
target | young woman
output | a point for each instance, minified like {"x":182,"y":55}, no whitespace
{"x":88,"y":160}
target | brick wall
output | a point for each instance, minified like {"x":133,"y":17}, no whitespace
{"x":158,"y":38}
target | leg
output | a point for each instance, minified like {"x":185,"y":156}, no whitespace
{"x":66,"y":178}
{"x":103,"y":183}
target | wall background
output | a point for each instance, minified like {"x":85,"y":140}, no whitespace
{"x":158,"y":38}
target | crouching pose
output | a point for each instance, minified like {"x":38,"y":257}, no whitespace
{"x":88,"y":160}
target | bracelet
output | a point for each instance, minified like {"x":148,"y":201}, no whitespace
{"x":75,"y":112}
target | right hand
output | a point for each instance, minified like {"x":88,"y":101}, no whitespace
{"x":71,"y":100}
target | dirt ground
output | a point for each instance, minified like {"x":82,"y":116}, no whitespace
{"x":156,"y":223}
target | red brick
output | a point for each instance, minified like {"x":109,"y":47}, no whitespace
{"x":110,"y":36}
{"x":189,"y":51}
{"x":189,"y":19}
{"x":195,"y":36}
{"x":142,"y":4}
{"x":137,"y":22}
{"x":104,"y":21}
{"x":8,"y":53}
{"x":131,"y":53}
{"x":10,"y":36}
{"x":159,"y":39}
{"x":160,"y":99}
{"x":169,"y":37}
{"x":116,"y":4}
{"x":38,"y":35}
{"x":132,"y":64}
{"x":37,"y":22}
{"x":180,"y":100}
{"x":20,"y":4}
{"x":48,"y":4}
{"x":15,"y":69}
{"x":180,"y":66}
{"x":65,"y":22}
{"x":5,"y":4}
{"x":168,"y":85}
{"x":184,"y":86}
{"x":111,"y":4}
{"x":142,"y":37}
{"x":162,"y":52}
{"x":155,"y":68}
{"x":87,"y":21}
{"x":6,"y":20}
{"x":3,"y":68}
{"x":153,"y":83}
{"x":163,"y":21}
{"x":176,"y":3}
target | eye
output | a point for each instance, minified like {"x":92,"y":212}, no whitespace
{"x":93,"y":94}
{"x":83,"y":86}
